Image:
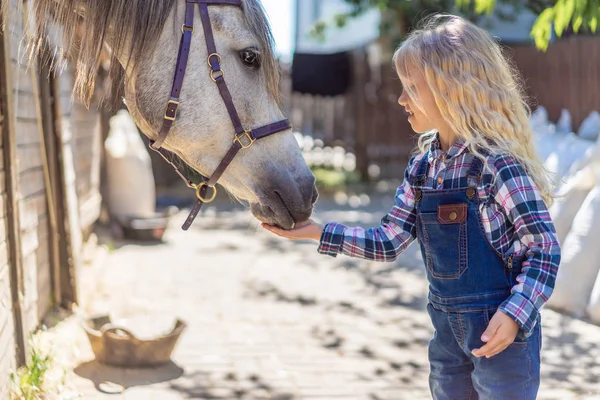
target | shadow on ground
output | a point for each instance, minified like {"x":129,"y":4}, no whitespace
{"x":228,"y":385}
{"x":103,"y":375}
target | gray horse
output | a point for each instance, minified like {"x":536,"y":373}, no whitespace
{"x":142,"y":38}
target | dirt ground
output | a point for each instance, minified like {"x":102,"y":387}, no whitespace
{"x":272,"y":319}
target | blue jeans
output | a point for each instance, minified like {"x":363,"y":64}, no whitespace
{"x":513,"y":374}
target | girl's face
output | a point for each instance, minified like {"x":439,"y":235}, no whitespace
{"x":423,"y":112}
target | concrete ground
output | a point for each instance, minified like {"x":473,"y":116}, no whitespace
{"x":272,"y":319}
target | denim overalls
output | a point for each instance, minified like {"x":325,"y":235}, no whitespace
{"x":468,"y":280}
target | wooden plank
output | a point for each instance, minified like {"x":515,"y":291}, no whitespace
{"x":69,"y":230}
{"x":2,"y":205}
{"x":32,"y":183}
{"x":54,"y":205}
{"x":7,"y":344}
{"x":37,"y":207}
{"x":28,"y":134}
{"x":2,"y":231}
{"x":21,"y":78}
{"x":90,"y":210}
{"x":10,"y":153}
{"x":26,"y":106}
{"x":28,"y":158}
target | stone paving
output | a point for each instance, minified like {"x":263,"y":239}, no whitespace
{"x":272,"y":319}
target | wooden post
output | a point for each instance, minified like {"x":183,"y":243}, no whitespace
{"x":12,"y":208}
{"x":68,"y":262}
{"x":54,"y":201}
{"x":360,"y":117}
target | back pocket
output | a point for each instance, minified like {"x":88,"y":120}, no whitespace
{"x":444,"y":235}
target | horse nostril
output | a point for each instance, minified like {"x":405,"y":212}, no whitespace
{"x":315,"y":195}
{"x":308,"y":188}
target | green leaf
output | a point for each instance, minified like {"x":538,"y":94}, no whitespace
{"x":340,"y":20}
{"x":577,"y":23}
{"x":484,"y":6}
{"x":542,"y":29}
{"x":563,"y":11}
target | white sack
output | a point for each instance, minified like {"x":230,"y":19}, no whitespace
{"x":131,"y":186}
{"x":580,"y":259}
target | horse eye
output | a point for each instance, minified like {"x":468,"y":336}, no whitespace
{"x":250,"y":58}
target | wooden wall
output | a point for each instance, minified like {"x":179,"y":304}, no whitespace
{"x":50,"y":150}
{"x":31,"y":197}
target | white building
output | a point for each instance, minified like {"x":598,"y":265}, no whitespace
{"x":357,"y":32}
{"x":364,"y":29}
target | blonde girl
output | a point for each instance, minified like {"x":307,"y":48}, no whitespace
{"x":475,"y":198}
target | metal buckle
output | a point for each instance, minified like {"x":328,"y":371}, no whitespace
{"x":188,"y":28}
{"x":248,"y":136}
{"x":203,"y":199}
{"x":167,"y":109}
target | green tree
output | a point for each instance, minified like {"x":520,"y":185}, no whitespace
{"x":557,"y":16}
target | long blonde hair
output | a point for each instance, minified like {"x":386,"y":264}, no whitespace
{"x":477,"y":90}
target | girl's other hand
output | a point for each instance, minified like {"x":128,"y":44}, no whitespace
{"x":302,"y":230}
{"x":500,"y":333}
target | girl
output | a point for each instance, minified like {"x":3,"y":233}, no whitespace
{"x":476,"y":200}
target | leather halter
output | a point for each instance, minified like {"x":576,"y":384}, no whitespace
{"x":243,"y":138}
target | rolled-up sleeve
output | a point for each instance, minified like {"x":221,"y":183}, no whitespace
{"x":383,"y":243}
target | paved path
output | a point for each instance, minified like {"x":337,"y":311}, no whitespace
{"x":272,"y":319}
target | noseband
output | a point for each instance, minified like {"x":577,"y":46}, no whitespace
{"x":243,"y":138}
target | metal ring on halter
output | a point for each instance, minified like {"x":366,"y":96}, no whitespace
{"x":214,"y":55}
{"x":199,"y":196}
{"x":212,"y":74}
{"x":213,"y":71}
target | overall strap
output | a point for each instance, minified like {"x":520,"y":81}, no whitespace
{"x":421,"y":176}
{"x":474,"y":176}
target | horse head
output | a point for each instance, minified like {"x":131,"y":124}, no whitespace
{"x":143,"y":38}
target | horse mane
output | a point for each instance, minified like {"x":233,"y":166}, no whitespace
{"x":85,"y":28}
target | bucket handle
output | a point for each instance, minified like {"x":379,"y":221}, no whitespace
{"x":112,"y":329}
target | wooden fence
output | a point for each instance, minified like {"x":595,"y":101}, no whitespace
{"x":566,"y":76}
{"x":49,"y":193}
{"x":368,"y":122}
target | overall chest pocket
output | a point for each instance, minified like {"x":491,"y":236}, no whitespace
{"x":444,"y":236}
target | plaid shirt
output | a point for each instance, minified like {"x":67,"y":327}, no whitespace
{"x":515,"y":219}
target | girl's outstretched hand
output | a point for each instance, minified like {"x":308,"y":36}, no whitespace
{"x":302,"y":230}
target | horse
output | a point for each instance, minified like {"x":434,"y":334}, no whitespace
{"x":145,"y":41}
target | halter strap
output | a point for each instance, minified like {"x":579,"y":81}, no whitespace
{"x":217,"y":74}
{"x":182,"y":60}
